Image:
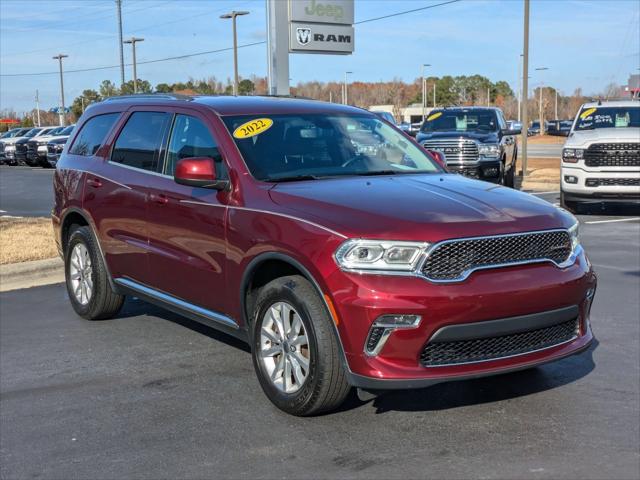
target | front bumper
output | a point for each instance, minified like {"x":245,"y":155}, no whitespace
{"x":583,"y":189}
{"x":485,"y":296}
{"x":486,"y":170}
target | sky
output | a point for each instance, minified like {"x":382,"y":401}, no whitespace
{"x":583,"y":43}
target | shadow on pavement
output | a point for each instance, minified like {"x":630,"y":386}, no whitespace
{"x":450,"y":395}
{"x":438,"y":397}
{"x":134,"y":307}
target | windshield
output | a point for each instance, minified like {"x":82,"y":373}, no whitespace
{"x":66,"y":131}
{"x":461,"y":121}
{"x":313,"y":146}
{"x":32,"y":133}
{"x":608,"y":117}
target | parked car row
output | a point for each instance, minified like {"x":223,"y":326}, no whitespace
{"x":33,"y":146}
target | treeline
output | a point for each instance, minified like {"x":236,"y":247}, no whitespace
{"x":449,"y":91}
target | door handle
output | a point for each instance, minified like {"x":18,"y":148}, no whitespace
{"x":94,"y":182}
{"x":160,"y":199}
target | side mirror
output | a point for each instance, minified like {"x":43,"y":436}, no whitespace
{"x":198,"y":172}
{"x":438,"y":156}
{"x":512,"y":131}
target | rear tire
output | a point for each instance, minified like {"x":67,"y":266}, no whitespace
{"x":316,"y":378}
{"x":87,"y":279}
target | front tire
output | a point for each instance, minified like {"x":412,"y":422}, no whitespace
{"x":570,"y":205}
{"x":87,"y":279}
{"x":295,"y":352}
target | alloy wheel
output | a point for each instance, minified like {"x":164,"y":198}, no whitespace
{"x":284,"y":347}
{"x":81,"y":274}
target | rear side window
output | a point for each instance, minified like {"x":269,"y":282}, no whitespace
{"x":93,"y":134}
{"x":139,"y":142}
{"x":191,"y":138}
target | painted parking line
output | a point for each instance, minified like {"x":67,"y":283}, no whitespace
{"x":613,"y":221}
{"x":612,"y":267}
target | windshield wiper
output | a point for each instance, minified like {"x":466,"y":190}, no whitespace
{"x":293,"y":178}
{"x":378,"y":172}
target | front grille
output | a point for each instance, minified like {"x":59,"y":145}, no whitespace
{"x":32,"y":146}
{"x":454,"y":260}
{"x":51,"y":148}
{"x":1,"y":147}
{"x":613,"y":155}
{"x":492,"y":348}
{"x":612,"y":182}
{"x":455,"y":150}
{"x":21,"y":147}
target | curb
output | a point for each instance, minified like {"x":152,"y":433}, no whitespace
{"x":31,"y":274}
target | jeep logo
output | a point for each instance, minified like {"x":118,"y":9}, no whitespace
{"x":324,"y":10}
{"x":303,"y":35}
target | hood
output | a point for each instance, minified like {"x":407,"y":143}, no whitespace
{"x":417,"y":207}
{"x":59,"y":139}
{"x":482,"y":137}
{"x":12,"y":140}
{"x":587,"y":137}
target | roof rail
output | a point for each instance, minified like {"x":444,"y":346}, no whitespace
{"x":167,"y":96}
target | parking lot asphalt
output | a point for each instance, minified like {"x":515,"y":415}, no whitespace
{"x":26,"y":191}
{"x":152,"y":395}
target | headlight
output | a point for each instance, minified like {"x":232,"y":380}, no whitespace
{"x":574,"y":234}
{"x":492,"y":151}
{"x":10,"y":147}
{"x":572,"y":155}
{"x":379,"y":255}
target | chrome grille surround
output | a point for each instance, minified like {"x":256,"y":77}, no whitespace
{"x":443,"y":262}
{"x":467,"y":153}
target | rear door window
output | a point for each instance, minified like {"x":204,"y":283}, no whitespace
{"x":93,"y":134}
{"x":140,"y":141}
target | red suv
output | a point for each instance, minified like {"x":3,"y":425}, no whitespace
{"x":323,"y":236}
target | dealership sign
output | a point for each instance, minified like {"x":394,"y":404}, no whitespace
{"x":321,"y":26}
{"x":319,"y":38}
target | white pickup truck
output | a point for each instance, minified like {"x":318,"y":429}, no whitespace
{"x":601,"y":157}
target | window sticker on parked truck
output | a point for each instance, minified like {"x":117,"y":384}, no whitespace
{"x":252,"y":128}
{"x":587,"y":112}
{"x":434,"y":116}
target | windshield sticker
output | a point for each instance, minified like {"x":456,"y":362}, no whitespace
{"x":253,"y":128}
{"x":587,"y":112}
{"x":622,"y":121}
{"x":434,"y":116}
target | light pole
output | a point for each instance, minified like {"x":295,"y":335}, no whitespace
{"x":232,"y":15}
{"x":556,"y":90}
{"x":424,"y":91}
{"x":119,"y":15}
{"x":344,"y":87}
{"x":38,"y":106}
{"x":59,"y":57}
{"x":132,"y":41}
{"x":525,"y":88}
{"x":541,"y":69}
{"x":520,"y":86}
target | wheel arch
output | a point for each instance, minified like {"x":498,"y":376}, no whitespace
{"x":280,"y":264}
{"x":76,"y":216}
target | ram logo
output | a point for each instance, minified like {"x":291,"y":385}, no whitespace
{"x":303,"y":35}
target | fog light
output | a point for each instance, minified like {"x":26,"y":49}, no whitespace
{"x":571,"y":179}
{"x":382,"y":329}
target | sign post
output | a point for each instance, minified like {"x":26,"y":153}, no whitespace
{"x":305,"y":26}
